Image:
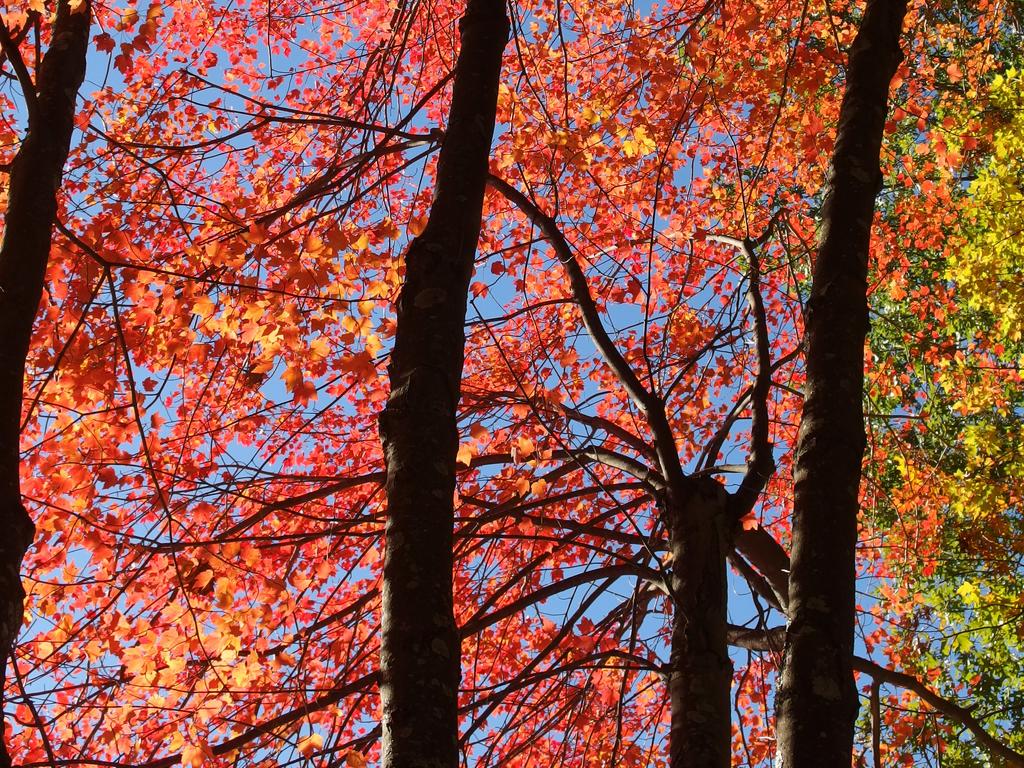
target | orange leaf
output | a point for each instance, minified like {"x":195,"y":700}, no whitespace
{"x":293,"y":379}
{"x":417,"y":225}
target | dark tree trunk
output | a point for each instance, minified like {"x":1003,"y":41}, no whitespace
{"x":817,"y":699}
{"x":420,"y":651}
{"x":35,"y":177}
{"x":700,"y":676}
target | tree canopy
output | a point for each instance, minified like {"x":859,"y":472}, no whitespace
{"x":583,"y":292}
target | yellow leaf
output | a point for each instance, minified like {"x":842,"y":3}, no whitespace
{"x":253,"y":312}
{"x":319,"y":348}
{"x":310,"y":744}
{"x":968,"y":592}
{"x":465,"y":455}
{"x":203,"y":307}
{"x":195,"y":755}
{"x":526,"y":447}
{"x":224,"y":591}
{"x":639,"y":144}
{"x":128,"y":18}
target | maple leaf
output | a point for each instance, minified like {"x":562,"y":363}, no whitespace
{"x":310,"y":744}
{"x":639,"y":143}
{"x":195,"y":755}
{"x":123,"y":61}
{"x":203,"y":307}
{"x":416,"y":225}
{"x":296,"y":383}
{"x":103,"y":42}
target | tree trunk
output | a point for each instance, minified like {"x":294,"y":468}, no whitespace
{"x":700,"y":678}
{"x":420,"y":651}
{"x":35,"y":177}
{"x":817,"y":698}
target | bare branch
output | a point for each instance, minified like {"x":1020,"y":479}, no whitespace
{"x":763,"y":552}
{"x":477,"y":623}
{"x":597,"y":422}
{"x":760,"y":463}
{"x":757,"y":581}
{"x":649,"y":403}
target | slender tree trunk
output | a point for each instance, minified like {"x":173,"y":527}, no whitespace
{"x":817,"y":699}
{"x":420,"y":651}
{"x":700,"y":677}
{"x":35,"y":177}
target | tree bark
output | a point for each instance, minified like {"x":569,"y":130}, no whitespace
{"x":817,"y":699}
{"x":35,"y":177}
{"x":700,"y":671}
{"x":420,"y":650}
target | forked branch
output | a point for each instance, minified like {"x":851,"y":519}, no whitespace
{"x":648,"y":402}
{"x":760,"y":463}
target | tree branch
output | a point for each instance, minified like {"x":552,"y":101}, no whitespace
{"x":649,"y":403}
{"x":766,"y":554}
{"x":478,"y":623}
{"x":28,"y":88}
{"x":760,"y":463}
{"x":949,"y":709}
{"x":771,"y":640}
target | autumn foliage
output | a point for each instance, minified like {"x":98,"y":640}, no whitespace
{"x":200,"y":448}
